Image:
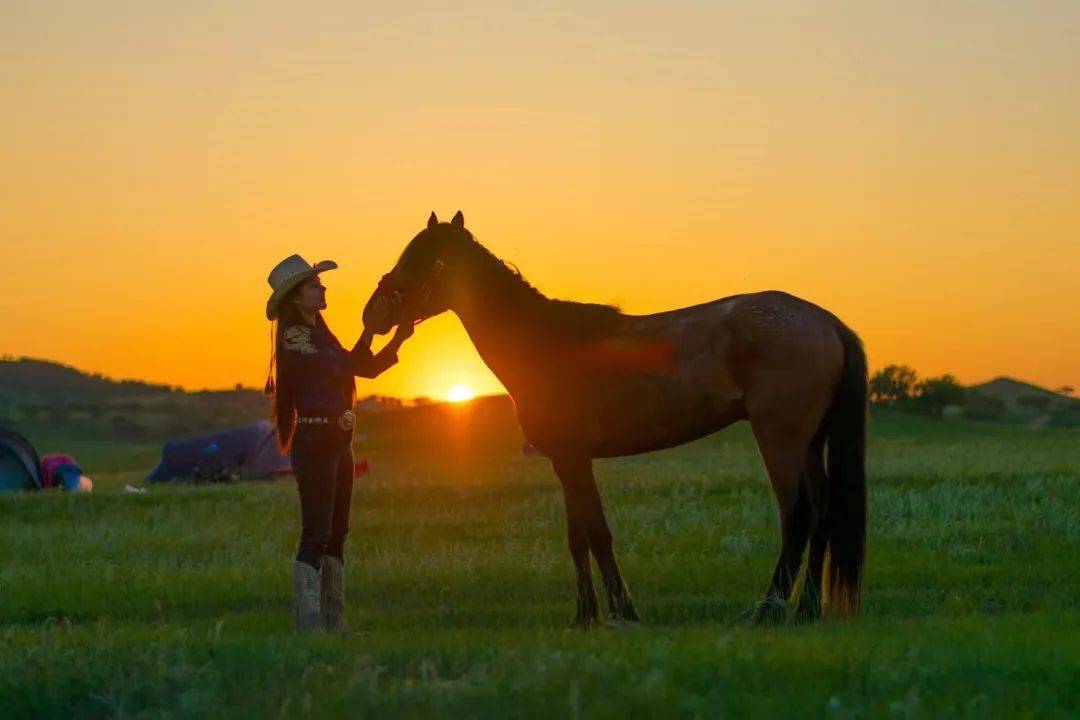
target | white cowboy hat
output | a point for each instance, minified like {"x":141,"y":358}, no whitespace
{"x":289,"y":273}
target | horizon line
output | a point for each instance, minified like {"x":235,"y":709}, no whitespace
{"x":241,"y":386}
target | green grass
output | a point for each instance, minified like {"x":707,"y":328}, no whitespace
{"x":175,"y":603}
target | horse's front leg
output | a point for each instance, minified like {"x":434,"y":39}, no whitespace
{"x":578,"y":538}
{"x":584,"y":509}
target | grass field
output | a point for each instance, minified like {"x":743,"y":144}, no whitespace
{"x":174,"y":603}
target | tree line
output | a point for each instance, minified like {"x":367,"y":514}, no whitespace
{"x":900,"y":387}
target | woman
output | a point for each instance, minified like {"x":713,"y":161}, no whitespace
{"x":312,"y":411}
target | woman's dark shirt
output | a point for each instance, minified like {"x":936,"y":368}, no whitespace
{"x":319,"y":371}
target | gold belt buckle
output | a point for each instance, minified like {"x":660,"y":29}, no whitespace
{"x":347,"y":420}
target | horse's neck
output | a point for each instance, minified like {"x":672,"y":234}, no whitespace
{"x":501,"y":318}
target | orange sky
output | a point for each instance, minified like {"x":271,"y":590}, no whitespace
{"x":914,"y":167}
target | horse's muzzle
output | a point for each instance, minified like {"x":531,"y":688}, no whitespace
{"x":379,"y":314}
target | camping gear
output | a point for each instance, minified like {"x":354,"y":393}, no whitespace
{"x":49,"y":465}
{"x":249,"y":451}
{"x":70,"y":477}
{"x":61,"y":471}
{"x":20,"y":467}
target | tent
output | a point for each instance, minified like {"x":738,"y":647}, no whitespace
{"x":248,"y":451}
{"x":20,"y":467}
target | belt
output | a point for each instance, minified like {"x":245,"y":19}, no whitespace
{"x":345,"y":421}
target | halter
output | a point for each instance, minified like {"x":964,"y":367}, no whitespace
{"x":420,"y":294}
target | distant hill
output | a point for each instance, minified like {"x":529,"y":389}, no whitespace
{"x":1020,"y":396}
{"x":42,"y":392}
{"x":1014,"y":401}
{"x":49,"y":382}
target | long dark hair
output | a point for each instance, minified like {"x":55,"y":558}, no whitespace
{"x":283,"y":390}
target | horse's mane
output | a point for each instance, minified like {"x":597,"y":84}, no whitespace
{"x":556,"y":318}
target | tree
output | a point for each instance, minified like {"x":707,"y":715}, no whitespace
{"x":1034,"y":403}
{"x":933,"y":395}
{"x":990,"y":408}
{"x":1065,"y":390}
{"x":892,"y":385}
{"x":1066,"y":415}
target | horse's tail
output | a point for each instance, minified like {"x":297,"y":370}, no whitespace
{"x":845,"y":514}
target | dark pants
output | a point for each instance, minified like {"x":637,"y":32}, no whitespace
{"x":323,"y":463}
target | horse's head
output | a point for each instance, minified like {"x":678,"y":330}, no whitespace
{"x":420,"y":281}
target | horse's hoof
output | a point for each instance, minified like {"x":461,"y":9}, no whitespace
{"x":768,"y":613}
{"x":809,"y":609}
{"x":619,"y":623}
{"x":626,"y":613}
{"x":582,"y":623}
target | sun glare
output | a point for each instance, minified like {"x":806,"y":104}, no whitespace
{"x":460,"y":393}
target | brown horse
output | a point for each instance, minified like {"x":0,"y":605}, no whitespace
{"x":589,"y":382}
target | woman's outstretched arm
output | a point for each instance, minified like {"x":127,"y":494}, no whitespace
{"x":370,"y":365}
{"x":365,"y":338}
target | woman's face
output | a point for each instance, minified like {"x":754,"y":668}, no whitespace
{"x":311,"y":296}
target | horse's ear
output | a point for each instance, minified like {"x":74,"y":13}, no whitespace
{"x":458,"y":220}
{"x":432,"y":220}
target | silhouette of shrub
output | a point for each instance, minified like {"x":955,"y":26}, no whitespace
{"x":980,"y":406}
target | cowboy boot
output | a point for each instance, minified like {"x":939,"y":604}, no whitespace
{"x":305,"y":597}
{"x":332,"y":595}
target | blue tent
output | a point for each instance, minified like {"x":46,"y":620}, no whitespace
{"x":249,"y":451}
{"x":20,"y":467}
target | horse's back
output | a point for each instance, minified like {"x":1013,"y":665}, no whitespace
{"x":673,"y":377}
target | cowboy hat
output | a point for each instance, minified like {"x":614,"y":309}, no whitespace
{"x":289,"y":273}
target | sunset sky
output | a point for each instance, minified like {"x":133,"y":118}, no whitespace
{"x":913,"y":167}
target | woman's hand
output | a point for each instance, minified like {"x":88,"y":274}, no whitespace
{"x":408,"y":312}
{"x":404,"y":330}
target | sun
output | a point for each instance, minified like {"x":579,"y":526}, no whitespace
{"x":460,"y":393}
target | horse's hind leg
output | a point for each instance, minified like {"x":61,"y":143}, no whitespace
{"x":783,"y":449}
{"x":584,"y":506}
{"x":816,"y":480}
